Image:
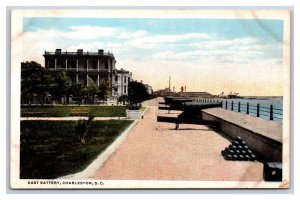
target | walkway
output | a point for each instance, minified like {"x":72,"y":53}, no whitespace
{"x":155,"y":151}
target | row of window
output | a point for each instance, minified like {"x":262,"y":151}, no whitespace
{"x":125,"y":79}
{"x":118,"y":91}
{"x":82,"y":64}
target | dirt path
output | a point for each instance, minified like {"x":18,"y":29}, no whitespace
{"x":155,"y":151}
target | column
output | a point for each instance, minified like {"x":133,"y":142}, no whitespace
{"x":77,"y":65}
{"x":122,"y":89}
{"x":76,"y":78}
{"x":87,"y":65}
{"x":98,"y":80}
{"x":66,"y":64}
{"x":98,"y":66}
{"x":109,"y":65}
{"x":55,"y":64}
{"x":87,"y":80}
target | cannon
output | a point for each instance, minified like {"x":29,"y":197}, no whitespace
{"x":169,"y":99}
{"x":175,"y":104}
{"x":192,"y":114}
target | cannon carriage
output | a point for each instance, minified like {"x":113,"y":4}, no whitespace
{"x":192,"y":114}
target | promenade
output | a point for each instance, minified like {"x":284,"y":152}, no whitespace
{"x":155,"y":151}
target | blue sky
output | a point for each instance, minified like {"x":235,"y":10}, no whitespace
{"x":218,"y":27}
{"x":176,"y":47}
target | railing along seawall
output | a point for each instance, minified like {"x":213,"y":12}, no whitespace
{"x":265,"y":112}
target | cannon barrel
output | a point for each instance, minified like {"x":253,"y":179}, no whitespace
{"x":178,"y":121}
{"x":167,"y":119}
{"x":164,"y":108}
{"x":200,"y":105}
{"x":169,"y":99}
{"x":193,"y":110}
{"x":175,"y":103}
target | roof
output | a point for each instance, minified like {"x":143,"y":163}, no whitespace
{"x":122,"y":71}
{"x":79,"y":52}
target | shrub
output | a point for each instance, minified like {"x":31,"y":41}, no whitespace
{"x":82,"y":127}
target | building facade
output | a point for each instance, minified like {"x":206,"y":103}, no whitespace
{"x":120,"y":82}
{"x":89,"y":68}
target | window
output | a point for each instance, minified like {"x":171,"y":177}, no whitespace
{"x":125,"y":79}
{"x":51,"y":63}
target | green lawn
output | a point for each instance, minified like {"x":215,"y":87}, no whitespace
{"x":50,"y":149}
{"x":64,"y":111}
{"x":142,"y":109}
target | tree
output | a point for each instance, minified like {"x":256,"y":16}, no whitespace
{"x":77,"y":91}
{"x":35,"y":81}
{"x":61,"y":86}
{"x":137,"y":92}
{"x":82,"y":127}
{"x":104,"y":90}
{"x":123,"y":99}
{"x":91,"y":91}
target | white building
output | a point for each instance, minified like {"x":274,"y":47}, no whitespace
{"x":120,"y":82}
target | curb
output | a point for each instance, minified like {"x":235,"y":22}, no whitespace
{"x":144,"y":112}
{"x":101,"y":159}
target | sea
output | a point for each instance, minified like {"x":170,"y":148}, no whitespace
{"x":264,"y":107}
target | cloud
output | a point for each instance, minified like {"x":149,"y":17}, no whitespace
{"x":128,"y":35}
{"x":152,"y":41}
{"x":240,"y":50}
{"x":90,"y":32}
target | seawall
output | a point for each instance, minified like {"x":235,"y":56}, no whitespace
{"x":264,"y":137}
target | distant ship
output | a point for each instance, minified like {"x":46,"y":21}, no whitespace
{"x":230,"y":96}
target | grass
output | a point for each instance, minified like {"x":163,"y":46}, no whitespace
{"x":142,"y":109}
{"x":64,"y":111}
{"x":51,"y":149}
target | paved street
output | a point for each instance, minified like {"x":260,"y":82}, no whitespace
{"x":155,"y":151}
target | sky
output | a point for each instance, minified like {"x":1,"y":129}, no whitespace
{"x":205,"y":55}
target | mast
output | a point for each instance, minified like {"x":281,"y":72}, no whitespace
{"x":169,"y":83}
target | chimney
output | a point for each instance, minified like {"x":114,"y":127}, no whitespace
{"x":57,"y":51}
{"x":80,"y":51}
{"x":101,"y":51}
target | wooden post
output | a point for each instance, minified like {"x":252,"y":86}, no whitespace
{"x":271,"y":112}
{"x":247,"y":112}
{"x":239,"y":107}
{"x":257,"y":110}
{"x":232,"y":105}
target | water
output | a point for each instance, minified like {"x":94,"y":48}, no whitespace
{"x":264,"y":107}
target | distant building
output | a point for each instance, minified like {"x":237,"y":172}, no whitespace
{"x":163,"y":92}
{"x":197,"y":94}
{"x":89,"y":68}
